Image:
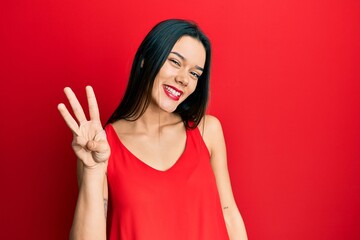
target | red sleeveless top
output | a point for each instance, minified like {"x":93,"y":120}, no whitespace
{"x":181,"y":203}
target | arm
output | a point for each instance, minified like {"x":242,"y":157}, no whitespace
{"x":92,"y":150}
{"x":80,"y":170}
{"x":214,"y":139}
{"x":89,"y":218}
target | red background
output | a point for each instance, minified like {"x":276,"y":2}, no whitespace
{"x":285,"y":84}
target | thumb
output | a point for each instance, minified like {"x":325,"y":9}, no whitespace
{"x":100,"y":149}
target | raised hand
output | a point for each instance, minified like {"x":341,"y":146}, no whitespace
{"x":89,"y":142}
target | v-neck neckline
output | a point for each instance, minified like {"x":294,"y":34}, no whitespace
{"x":141,"y":162}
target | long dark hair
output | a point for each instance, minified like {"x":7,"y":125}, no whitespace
{"x":148,"y":60}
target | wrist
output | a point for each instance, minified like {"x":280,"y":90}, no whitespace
{"x":96,"y":172}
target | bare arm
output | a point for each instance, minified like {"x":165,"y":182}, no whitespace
{"x":214,"y":139}
{"x":80,"y":169}
{"x":92,"y":150}
{"x":90,"y":217}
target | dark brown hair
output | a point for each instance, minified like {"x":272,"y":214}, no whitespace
{"x":149,"y":58}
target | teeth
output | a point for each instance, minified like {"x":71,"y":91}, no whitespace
{"x":172,"y":91}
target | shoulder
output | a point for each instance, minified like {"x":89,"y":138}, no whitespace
{"x":122,"y":127}
{"x":211,"y":130}
{"x":209,"y":124}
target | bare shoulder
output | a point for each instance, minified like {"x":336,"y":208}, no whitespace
{"x":122,"y":127}
{"x":211,"y":130}
{"x":209,"y":124}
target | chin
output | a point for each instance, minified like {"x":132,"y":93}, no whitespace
{"x":169,"y":108}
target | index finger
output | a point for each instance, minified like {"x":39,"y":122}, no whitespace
{"x":93,"y":106}
{"x":70,"y":121}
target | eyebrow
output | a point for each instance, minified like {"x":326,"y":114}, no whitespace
{"x":184,"y":59}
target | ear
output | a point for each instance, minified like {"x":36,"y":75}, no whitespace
{"x":142,"y":63}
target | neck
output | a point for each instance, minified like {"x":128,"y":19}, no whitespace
{"x":154,"y":119}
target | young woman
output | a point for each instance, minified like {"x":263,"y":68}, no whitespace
{"x":159,"y":167}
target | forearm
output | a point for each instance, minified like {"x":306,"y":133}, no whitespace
{"x":235,"y":225}
{"x":89,"y":219}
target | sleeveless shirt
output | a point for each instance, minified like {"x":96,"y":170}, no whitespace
{"x":181,"y":203}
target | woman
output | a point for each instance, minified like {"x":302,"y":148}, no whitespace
{"x":166,"y":175}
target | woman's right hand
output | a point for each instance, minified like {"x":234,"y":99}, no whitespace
{"x":89,"y":138}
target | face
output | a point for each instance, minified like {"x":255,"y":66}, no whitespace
{"x":179,"y":75}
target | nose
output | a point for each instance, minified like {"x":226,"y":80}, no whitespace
{"x":182,"y":78}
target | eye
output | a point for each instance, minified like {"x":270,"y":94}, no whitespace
{"x":195,"y":75}
{"x":174,"y":61}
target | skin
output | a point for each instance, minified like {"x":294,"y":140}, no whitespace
{"x":157,"y":136}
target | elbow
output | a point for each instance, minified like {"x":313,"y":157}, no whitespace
{"x":235,"y":226}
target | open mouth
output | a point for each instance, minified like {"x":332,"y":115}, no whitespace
{"x":172,"y":92}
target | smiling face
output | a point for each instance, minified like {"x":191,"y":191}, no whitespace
{"x":179,"y":75}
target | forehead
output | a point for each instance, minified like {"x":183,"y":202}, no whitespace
{"x":191,"y":49}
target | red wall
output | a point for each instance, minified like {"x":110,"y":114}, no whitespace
{"x":285,"y":84}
